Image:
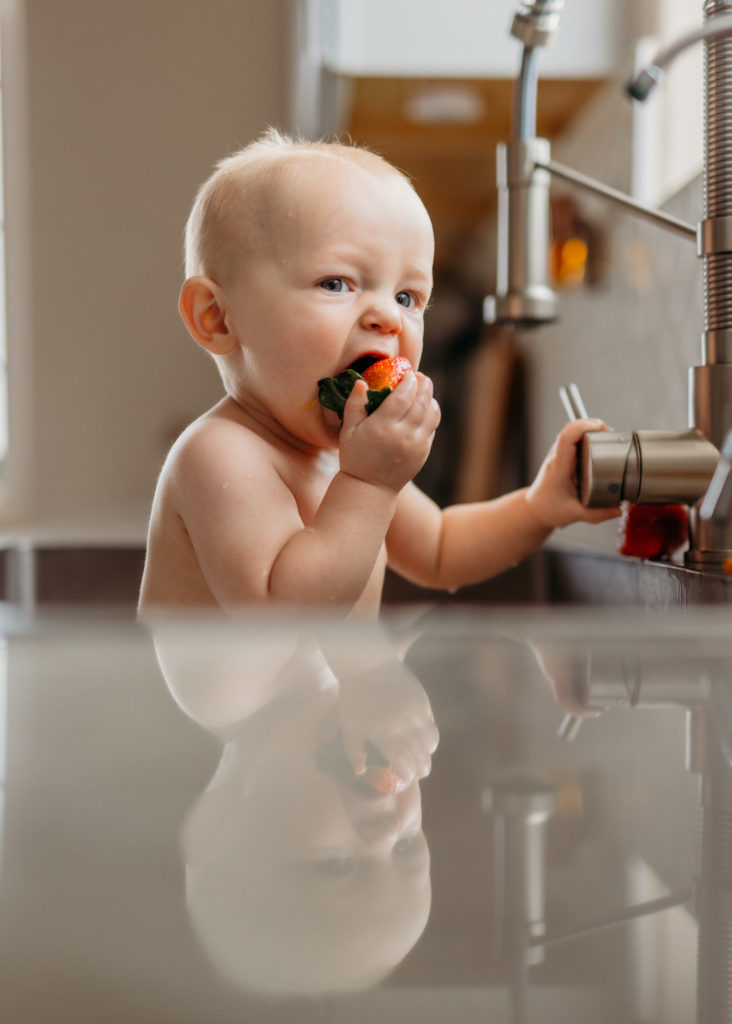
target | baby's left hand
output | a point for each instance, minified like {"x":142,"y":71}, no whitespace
{"x":553,"y":495}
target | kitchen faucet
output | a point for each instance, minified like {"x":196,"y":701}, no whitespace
{"x":661,"y":467}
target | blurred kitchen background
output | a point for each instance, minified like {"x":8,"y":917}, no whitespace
{"x":113,"y":113}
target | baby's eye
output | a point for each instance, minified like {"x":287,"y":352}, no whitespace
{"x":406,"y":299}
{"x":336,"y":866}
{"x":334,"y":284}
{"x":409,"y":846}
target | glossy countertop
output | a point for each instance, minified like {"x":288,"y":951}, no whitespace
{"x":463,"y":815}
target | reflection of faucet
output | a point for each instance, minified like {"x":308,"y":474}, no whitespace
{"x":698,"y":681}
{"x":524,"y":296}
{"x":521,"y":809}
{"x":709,"y":755}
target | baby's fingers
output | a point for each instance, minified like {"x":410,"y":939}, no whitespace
{"x":419,"y":407}
{"x":600,"y":515}
{"x":409,"y":755}
{"x":354,"y":744}
{"x":573,"y":432}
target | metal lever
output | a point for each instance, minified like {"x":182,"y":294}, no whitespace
{"x":572,"y":402}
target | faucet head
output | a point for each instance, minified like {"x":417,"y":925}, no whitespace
{"x":641,"y":87}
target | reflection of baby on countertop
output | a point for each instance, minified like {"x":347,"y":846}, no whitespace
{"x":307,"y":869}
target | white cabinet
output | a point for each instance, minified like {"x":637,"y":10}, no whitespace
{"x":464,"y":38}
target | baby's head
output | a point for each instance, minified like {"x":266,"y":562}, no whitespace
{"x":298,"y":882}
{"x":236,"y":208}
{"x":304,"y":255}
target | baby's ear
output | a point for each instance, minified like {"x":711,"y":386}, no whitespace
{"x":202,"y":309}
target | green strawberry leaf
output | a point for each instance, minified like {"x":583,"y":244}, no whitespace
{"x":333,"y":392}
{"x":375,"y":398}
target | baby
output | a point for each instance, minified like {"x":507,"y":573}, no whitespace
{"x":303,"y":259}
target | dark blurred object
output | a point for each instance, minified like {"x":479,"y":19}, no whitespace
{"x":479,"y":450}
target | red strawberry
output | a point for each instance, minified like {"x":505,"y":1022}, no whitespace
{"x":386,"y":373}
{"x":384,"y":780}
{"x":382,"y":377}
{"x":649,"y":531}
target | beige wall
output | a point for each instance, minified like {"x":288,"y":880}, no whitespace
{"x":115,"y":112}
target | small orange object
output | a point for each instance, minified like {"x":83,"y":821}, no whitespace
{"x":727,"y":566}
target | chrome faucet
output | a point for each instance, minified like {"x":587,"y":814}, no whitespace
{"x":657,"y":466}
{"x":717,"y":503}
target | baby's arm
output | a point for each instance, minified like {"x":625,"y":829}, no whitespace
{"x":468,"y":543}
{"x":247,"y":531}
{"x":332,"y":560}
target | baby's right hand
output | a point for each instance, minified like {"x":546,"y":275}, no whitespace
{"x":389,"y":447}
{"x":388,"y":708}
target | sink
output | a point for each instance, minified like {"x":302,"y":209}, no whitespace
{"x":582,"y":576}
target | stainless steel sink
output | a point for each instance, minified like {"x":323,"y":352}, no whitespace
{"x":564,"y":576}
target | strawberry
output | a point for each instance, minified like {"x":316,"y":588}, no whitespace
{"x":651,"y":531}
{"x":386,"y":373}
{"x":379,"y":775}
{"x":381,"y":377}
{"x":384,"y":780}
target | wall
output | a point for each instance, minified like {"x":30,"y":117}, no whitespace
{"x":115,"y":112}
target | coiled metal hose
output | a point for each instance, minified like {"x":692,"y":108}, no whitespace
{"x":717,"y":166}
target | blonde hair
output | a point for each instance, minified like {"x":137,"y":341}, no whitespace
{"x":234,"y":194}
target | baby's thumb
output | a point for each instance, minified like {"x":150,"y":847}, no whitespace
{"x":355,"y":748}
{"x":354,"y":411}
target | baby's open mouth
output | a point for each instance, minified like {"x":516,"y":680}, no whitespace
{"x":363,"y":362}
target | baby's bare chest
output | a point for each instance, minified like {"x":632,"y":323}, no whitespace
{"x":308,"y":482}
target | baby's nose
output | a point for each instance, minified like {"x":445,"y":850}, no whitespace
{"x":382,"y":825}
{"x":383,"y":317}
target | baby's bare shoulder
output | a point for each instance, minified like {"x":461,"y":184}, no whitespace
{"x":220,"y":466}
{"x":212,"y":443}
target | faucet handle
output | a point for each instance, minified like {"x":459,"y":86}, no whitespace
{"x":717,"y":501}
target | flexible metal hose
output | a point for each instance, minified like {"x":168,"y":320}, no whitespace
{"x":535,"y":24}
